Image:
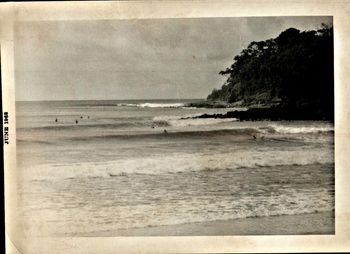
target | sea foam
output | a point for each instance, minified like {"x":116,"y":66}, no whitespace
{"x":177,"y":163}
{"x":152,"y":105}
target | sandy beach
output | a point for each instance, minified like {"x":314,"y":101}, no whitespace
{"x":301,"y":224}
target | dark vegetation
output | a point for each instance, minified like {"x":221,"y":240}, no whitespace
{"x":291,"y":74}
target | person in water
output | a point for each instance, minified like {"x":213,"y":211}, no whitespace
{"x":76,"y":121}
{"x":56,"y":120}
{"x":165,"y":131}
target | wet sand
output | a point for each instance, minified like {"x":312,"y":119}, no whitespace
{"x":313,"y":223}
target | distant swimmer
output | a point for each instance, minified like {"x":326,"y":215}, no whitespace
{"x":165,"y":131}
{"x":56,"y":120}
{"x":152,"y":127}
{"x":254,"y":137}
{"x":81,"y":117}
{"x":76,"y":121}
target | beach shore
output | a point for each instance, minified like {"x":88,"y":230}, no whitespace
{"x":301,"y":224}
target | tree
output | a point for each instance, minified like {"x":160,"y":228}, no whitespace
{"x":296,"y":67}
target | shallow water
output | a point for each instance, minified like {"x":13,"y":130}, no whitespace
{"x":117,"y":168}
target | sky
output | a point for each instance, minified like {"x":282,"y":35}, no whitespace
{"x":135,"y":59}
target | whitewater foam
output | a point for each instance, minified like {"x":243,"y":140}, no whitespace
{"x":188,"y":120}
{"x":180,"y":163}
{"x":299,"y":129}
{"x":152,"y":105}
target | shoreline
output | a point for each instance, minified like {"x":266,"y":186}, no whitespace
{"x":267,"y":111}
{"x":318,"y":223}
{"x":276,"y":113}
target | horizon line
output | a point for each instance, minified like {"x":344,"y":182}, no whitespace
{"x":108,"y":100}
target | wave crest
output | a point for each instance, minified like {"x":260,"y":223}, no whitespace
{"x":152,"y":105}
{"x":177,"y":163}
{"x":294,"y":129}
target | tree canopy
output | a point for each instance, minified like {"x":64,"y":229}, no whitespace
{"x":294,"y":69}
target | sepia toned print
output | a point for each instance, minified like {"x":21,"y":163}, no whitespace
{"x":175,"y":127}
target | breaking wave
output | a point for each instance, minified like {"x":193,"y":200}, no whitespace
{"x":180,"y":162}
{"x":304,"y":129}
{"x":176,"y":128}
{"x":152,"y":105}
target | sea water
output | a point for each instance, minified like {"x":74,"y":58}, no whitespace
{"x":110,"y":165}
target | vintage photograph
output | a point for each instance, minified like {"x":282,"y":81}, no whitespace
{"x":175,"y":127}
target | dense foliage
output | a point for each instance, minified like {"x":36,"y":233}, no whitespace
{"x":294,"y":69}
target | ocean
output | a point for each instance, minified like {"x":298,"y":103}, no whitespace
{"x":110,"y":165}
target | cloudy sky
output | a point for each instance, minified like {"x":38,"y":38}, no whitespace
{"x":135,"y":59}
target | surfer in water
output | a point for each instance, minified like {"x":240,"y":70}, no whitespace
{"x":255,"y":137}
{"x":165,"y":131}
{"x":76,"y":121}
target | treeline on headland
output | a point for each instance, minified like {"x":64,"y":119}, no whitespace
{"x":291,"y":74}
